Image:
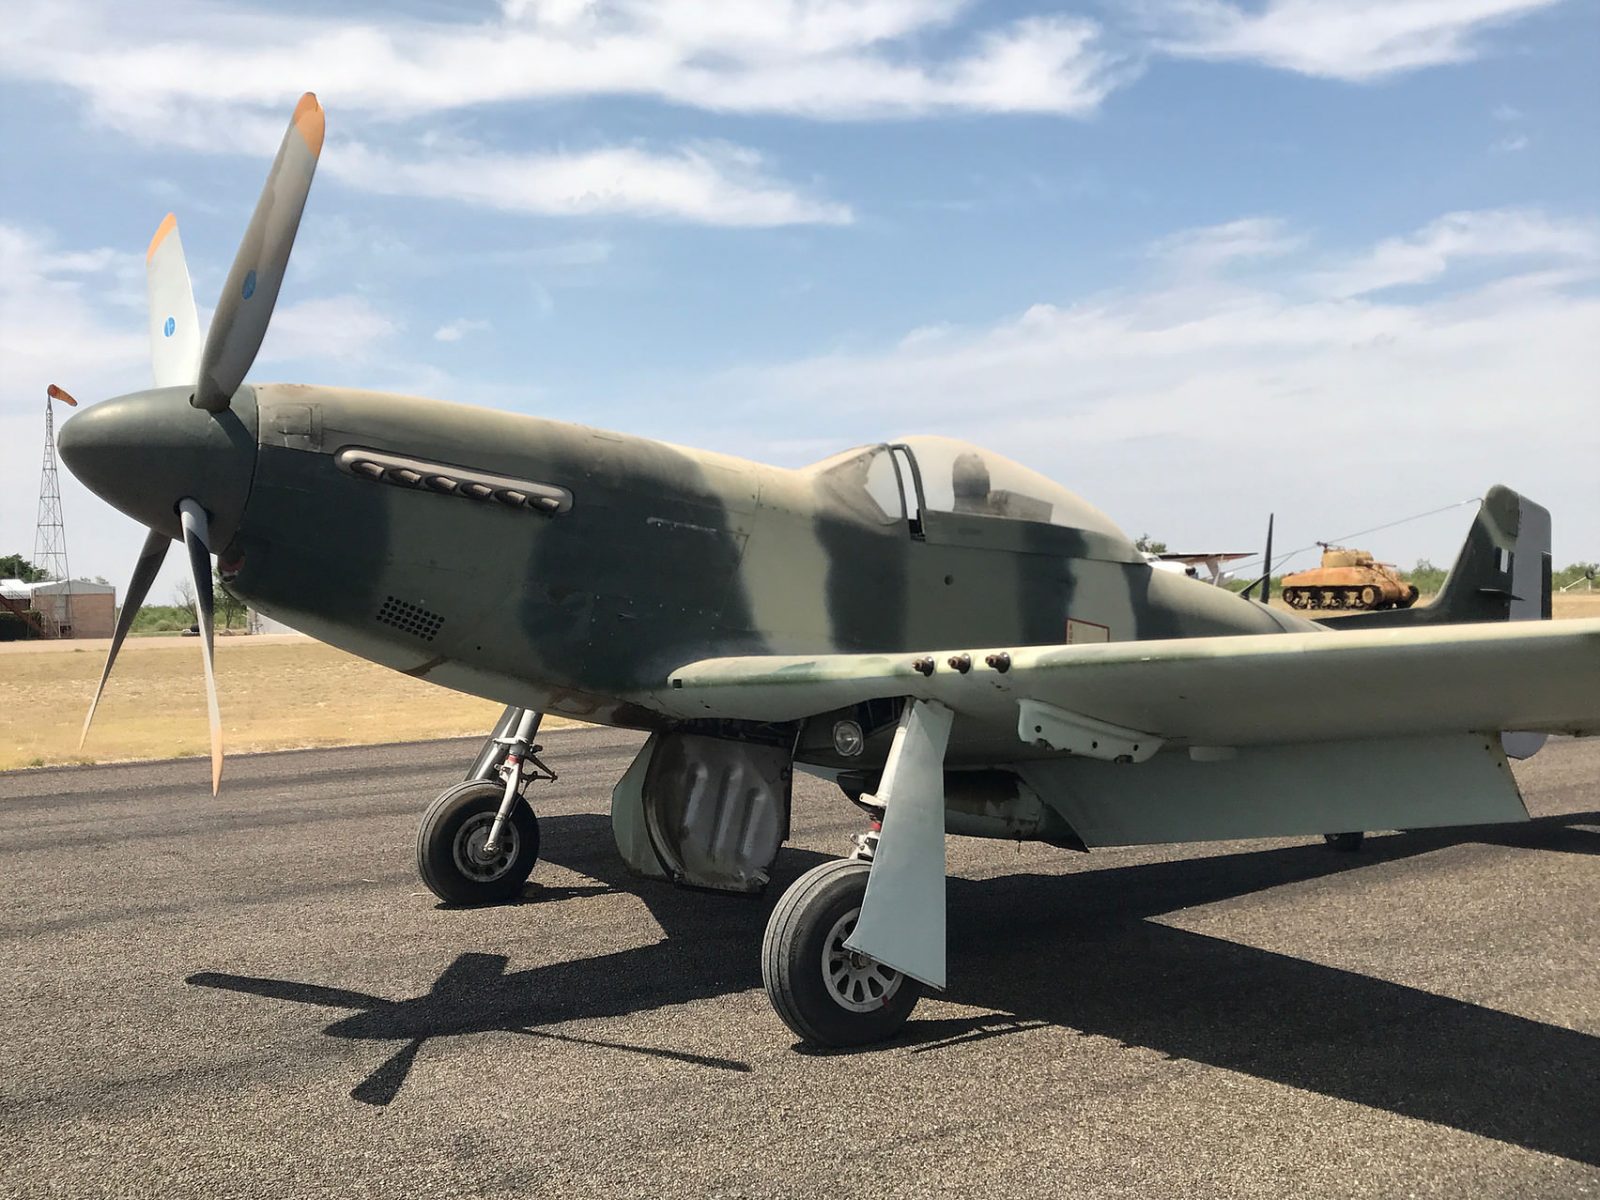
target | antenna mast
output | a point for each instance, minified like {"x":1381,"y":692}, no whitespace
{"x":50,"y":535}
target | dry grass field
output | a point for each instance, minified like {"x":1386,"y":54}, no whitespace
{"x":277,"y":693}
{"x":1577,"y":604}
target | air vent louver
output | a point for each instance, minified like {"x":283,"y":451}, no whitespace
{"x":410,"y":618}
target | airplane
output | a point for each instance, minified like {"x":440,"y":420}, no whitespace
{"x":961,"y":644}
{"x":1189,"y":564}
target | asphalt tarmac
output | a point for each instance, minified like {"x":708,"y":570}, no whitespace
{"x":255,"y":996}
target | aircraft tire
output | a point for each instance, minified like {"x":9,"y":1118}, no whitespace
{"x":1347,"y":843}
{"x":455,"y":826}
{"x":860,"y":1002}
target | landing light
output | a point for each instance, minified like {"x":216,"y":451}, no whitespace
{"x":848,"y":739}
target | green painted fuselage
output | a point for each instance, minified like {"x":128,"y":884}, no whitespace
{"x":666,"y":556}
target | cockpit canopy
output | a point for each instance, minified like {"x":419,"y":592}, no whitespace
{"x":955,"y":477}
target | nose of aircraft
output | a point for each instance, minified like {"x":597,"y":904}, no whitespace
{"x":144,"y":452}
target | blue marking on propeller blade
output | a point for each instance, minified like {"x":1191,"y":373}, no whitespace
{"x":249,"y":284}
{"x":167,"y":329}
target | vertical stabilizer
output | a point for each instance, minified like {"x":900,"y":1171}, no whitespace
{"x":1501,"y":574}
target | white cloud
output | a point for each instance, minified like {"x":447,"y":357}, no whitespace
{"x":146,"y":92}
{"x":51,"y":330}
{"x":331,"y":329}
{"x":454,"y":331}
{"x":1212,"y":246}
{"x":64,"y":318}
{"x":1195,"y":402}
{"x":822,"y":59}
{"x":212,"y":77}
{"x":1338,"y":39}
{"x":1511,"y":144}
{"x":712,"y":183}
{"x":1460,"y":237}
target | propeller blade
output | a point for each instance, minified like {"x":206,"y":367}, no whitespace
{"x":144,"y":574}
{"x":174,"y":327}
{"x":245,"y":306}
{"x":197,"y":544}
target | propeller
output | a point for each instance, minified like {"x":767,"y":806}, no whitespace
{"x":251,"y":290}
{"x":199,"y":548}
{"x":216,"y":369}
{"x":144,"y":574}
{"x":174,"y":327}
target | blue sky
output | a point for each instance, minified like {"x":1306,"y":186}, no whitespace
{"x":1195,"y":259}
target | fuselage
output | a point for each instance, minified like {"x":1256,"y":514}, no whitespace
{"x":568,"y":569}
{"x":666,"y":555}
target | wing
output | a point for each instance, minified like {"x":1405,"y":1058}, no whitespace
{"x":1260,"y":689}
{"x":1287,"y":734}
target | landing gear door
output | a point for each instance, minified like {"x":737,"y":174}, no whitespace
{"x":716,"y":811}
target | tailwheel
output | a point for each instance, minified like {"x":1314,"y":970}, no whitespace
{"x":1348,"y":843}
{"x":831,"y":996}
{"x":452,"y":845}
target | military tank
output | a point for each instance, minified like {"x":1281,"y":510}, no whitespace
{"x":1348,"y":579}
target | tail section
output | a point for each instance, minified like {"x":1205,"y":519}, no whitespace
{"x":1501,"y":574}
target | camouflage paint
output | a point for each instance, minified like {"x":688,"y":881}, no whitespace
{"x":667,"y":556}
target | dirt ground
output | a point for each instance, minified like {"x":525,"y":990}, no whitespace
{"x":1570,"y":606}
{"x":277,"y":692}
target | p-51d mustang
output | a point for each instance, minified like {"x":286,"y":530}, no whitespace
{"x":963,"y":645}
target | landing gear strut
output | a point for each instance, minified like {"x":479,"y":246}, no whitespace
{"x":479,"y":840}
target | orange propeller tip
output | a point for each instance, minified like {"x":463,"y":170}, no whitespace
{"x":168,"y":224}
{"x":309,"y":120}
{"x":56,"y":393}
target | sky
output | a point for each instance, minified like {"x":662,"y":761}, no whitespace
{"x":1198,"y":260}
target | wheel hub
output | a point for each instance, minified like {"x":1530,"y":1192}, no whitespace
{"x":473,"y":860}
{"x":855,"y":981}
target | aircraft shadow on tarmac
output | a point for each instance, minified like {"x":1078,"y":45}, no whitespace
{"x":1075,"y":951}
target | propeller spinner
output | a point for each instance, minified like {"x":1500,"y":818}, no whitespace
{"x":179,"y":458}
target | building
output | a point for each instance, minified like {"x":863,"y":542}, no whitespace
{"x":75,"y":608}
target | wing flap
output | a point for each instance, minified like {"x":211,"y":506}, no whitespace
{"x":1283,"y":791}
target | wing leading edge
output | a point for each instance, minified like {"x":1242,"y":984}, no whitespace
{"x":1224,"y":691}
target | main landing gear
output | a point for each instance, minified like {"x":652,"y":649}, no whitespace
{"x":478,"y":840}
{"x":826,"y":993}
{"x":826,"y":958}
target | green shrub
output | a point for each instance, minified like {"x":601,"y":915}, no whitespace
{"x":14,"y":629}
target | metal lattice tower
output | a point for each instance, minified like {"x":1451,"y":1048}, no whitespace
{"x":50,"y":535}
